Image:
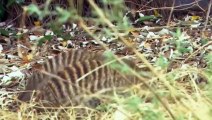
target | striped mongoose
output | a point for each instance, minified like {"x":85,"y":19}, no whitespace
{"x":60,"y":81}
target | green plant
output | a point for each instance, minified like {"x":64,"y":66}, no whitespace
{"x":208,"y":70}
{"x":162,"y":62}
{"x":181,"y":41}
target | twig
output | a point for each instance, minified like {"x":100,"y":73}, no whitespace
{"x":194,"y":53}
{"x":170,"y":14}
{"x":207,"y":15}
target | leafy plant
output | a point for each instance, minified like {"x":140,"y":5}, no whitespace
{"x":209,"y":61}
{"x":182,"y":44}
{"x":145,"y":18}
{"x":162,"y":62}
{"x":208,"y":71}
{"x":124,"y":68}
{"x":64,"y":15}
{"x":33,"y":9}
{"x":45,"y":38}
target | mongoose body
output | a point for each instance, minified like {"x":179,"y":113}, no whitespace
{"x":64,"y":79}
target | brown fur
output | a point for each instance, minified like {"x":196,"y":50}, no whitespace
{"x":58,"y":84}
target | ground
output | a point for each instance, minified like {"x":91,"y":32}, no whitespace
{"x":178,"y":57}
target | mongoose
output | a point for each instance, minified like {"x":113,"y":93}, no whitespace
{"x":60,"y":82}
